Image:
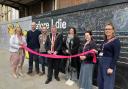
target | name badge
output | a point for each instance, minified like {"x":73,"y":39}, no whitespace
{"x":101,"y":54}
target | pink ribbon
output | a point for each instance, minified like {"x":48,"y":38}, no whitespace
{"x":61,"y":56}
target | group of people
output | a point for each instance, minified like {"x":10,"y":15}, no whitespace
{"x":55,"y":43}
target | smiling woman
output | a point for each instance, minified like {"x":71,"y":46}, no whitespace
{"x":109,"y":54}
{"x":109,"y":31}
{"x":87,"y":65}
{"x":17,"y":52}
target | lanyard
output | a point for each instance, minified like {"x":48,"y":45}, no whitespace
{"x":108,"y":42}
{"x":85,"y":45}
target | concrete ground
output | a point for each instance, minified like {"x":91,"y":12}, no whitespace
{"x":26,"y":82}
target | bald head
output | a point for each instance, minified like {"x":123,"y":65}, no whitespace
{"x":33,"y":25}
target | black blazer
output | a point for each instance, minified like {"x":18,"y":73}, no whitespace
{"x":58,"y":42}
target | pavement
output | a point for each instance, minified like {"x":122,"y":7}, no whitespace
{"x":27,"y":82}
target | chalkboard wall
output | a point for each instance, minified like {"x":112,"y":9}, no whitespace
{"x":94,"y":19}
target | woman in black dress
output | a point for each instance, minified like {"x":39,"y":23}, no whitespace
{"x":71,"y":46}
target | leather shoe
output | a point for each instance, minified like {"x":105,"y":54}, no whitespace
{"x":48,"y":81}
{"x":37,"y":72}
{"x":57,"y":78}
{"x":29,"y":72}
{"x":42,"y":73}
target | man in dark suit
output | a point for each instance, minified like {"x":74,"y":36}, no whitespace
{"x":33,"y":43}
{"x":53,"y":45}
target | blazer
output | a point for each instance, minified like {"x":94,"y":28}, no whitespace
{"x":58,"y":42}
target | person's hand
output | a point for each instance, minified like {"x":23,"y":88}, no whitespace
{"x":82,"y":57}
{"x":95,"y":50}
{"x":109,"y":71}
{"x":55,"y":53}
{"x":20,"y":47}
{"x":49,"y":52}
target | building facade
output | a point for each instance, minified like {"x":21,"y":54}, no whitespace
{"x":8,"y":14}
{"x":43,"y":6}
{"x":89,"y":15}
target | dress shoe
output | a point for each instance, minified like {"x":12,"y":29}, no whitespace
{"x":57,"y":78}
{"x":48,"y":81}
{"x":42,"y":73}
{"x":29,"y":72}
{"x":37,"y":72}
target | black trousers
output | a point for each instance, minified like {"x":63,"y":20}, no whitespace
{"x":33,"y":57}
{"x":53,"y":64}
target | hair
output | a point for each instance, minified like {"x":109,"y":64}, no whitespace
{"x":20,"y":29}
{"x":111,"y":24}
{"x":43,"y":26}
{"x":53,"y":26}
{"x":90,"y":33}
{"x":74,"y":29}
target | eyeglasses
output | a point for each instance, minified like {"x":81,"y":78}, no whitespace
{"x":108,"y":29}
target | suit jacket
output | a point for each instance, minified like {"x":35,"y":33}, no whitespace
{"x":58,"y":42}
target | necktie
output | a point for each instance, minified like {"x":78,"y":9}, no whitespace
{"x":53,"y":42}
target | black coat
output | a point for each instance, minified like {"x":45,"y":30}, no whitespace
{"x":58,"y":43}
{"x":73,"y":49}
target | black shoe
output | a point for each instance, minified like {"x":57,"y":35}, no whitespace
{"x":48,"y":81}
{"x":42,"y":73}
{"x":37,"y":72}
{"x":29,"y":72}
{"x":57,"y":78}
